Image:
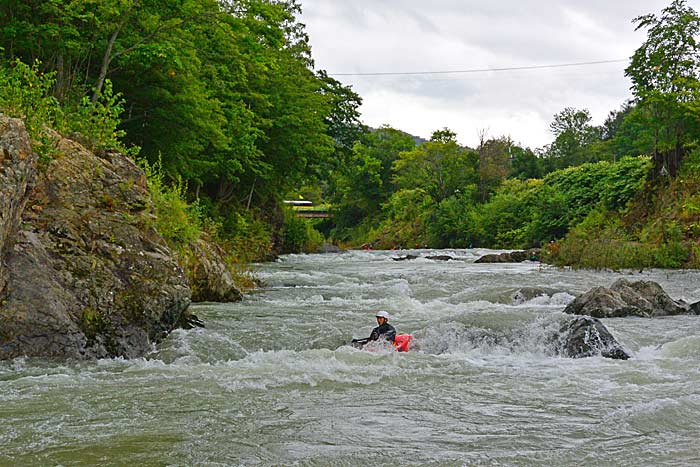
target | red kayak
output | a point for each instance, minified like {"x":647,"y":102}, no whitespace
{"x":402,"y":342}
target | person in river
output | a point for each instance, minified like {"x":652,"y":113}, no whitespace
{"x":384,"y":331}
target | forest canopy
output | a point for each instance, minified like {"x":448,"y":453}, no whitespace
{"x":221,"y":99}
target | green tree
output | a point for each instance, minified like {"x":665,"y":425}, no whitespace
{"x":386,"y":144}
{"x":440,"y":167}
{"x":343,"y":121}
{"x":525,"y":164}
{"x":494,"y":164}
{"x":360,"y":189}
{"x":362,"y":184}
{"x":632,"y":133}
{"x":664,"y":73}
{"x":573,"y":135}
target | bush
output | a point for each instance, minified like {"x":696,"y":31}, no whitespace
{"x":179,"y":222}
{"x":509,"y":213}
{"x":406,"y":216}
{"x":25,"y":93}
{"x":601,"y":241}
{"x":299,"y":235}
{"x":248,"y":238}
{"x":455,"y":223}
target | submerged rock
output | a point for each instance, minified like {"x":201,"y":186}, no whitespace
{"x":525,"y":294}
{"x":440,"y":257}
{"x":404,"y":258}
{"x":532,"y":254}
{"x":584,"y":336}
{"x":88,"y":276}
{"x":624,"y":298}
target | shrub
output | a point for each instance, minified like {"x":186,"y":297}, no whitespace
{"x":299,"y":235}
{"x":455,"y":222}
{"x":406,"y":215}
{"x":25,"y":92}
{"x":179,"y":222}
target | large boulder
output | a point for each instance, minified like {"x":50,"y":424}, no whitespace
{"x":584,"y":336}
{"x":695,"y":308}
{"x":532,"y":254}
{"x":88,"y":276}
{"x":624,"y":298}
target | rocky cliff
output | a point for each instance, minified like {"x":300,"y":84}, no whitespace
{"x":17,"y":173}
{"x":83,"y":272}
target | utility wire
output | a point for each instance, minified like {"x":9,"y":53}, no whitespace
{"x":480,"y":70}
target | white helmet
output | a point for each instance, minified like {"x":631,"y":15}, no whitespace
{"x":382,"y":314}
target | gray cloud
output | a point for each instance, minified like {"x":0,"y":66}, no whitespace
{"x":414,"y":35}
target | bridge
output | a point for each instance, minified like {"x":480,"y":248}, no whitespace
{"x":307,"y":209}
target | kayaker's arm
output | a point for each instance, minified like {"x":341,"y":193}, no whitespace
{"x":359,"y":343}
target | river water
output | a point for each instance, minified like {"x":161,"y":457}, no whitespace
{"x":269,"y":381}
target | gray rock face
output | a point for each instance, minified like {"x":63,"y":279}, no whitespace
{"x":695,"y":308}
{"x":88,"y":276}
{"x":210,"y":278}
{"x":532,"y":254}
{"x":584,"y":336}
{"x":624,"y":298}
{"x":17,"y":173}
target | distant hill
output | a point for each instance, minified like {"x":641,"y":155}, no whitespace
{"x":417,"y":139}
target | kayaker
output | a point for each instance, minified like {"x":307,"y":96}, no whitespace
{"x":384,"y":331}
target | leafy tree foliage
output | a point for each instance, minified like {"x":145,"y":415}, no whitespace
{"x":573,"y":134}
{"x":440,"y":166}
{"x":223,"y":92}
{"x":494,"y":164}
{"x":664,"y":73}
{"x":525,"y":164}
{"x":363,"y":183}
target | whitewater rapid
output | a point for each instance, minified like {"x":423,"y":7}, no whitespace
{"x":271,"y":381}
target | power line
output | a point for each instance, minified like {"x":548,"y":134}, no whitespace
{"x":480,"y":70}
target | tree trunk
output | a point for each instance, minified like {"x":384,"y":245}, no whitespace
{"x":106,"y":60}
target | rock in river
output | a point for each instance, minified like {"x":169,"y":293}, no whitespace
{"x":624,"y":298}
{"x":584,"y":336}
{"x":511,"y":257}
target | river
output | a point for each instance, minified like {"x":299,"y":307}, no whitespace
{"x":269,"y":381}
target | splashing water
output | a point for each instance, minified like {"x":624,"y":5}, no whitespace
{"x":271,"y":381}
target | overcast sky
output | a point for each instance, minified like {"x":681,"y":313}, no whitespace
{"x":370,"y":36}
